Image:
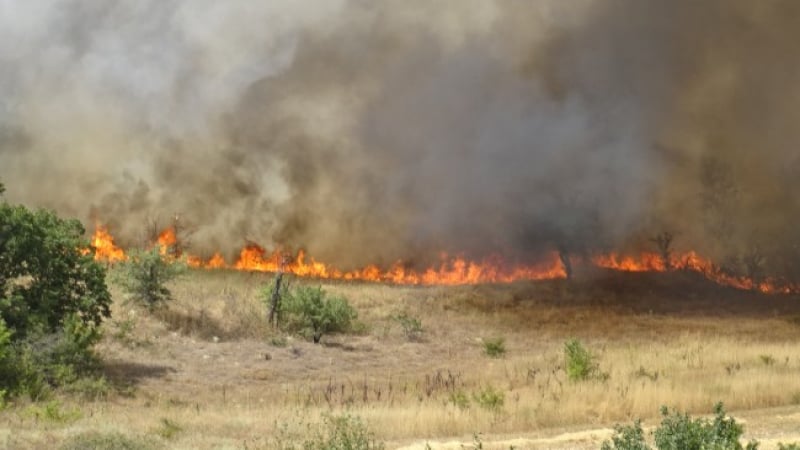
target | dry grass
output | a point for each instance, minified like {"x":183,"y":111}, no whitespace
{"x":207,"y":364}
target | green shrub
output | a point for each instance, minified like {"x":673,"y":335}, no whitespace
{"x":579,"y":362}
{"x":460,"y":400}
{"x":89,"y":388}
{"x":681,"y":432}
{"x":108,"y":441}
{"x":335,"y":433}
{"x":143,"y":277}
{"x":53,"y":299}
{"x":53,"y":411}
{"x":489,"y":398}
{"x":41,"y":361}
{"x":309,"y":310}
{"x":494,"y":348}
{"x":412,"y":326}
{"x":627,"y":437}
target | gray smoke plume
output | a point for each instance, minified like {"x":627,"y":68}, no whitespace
{"x":370,"y":132}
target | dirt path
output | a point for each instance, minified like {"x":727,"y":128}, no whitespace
{"x":769,"y":426}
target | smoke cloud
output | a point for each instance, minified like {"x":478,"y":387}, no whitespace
{"x":370,"y":132}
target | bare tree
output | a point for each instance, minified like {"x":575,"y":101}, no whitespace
{"x":663,"y":242}
{"x":275,"y":299}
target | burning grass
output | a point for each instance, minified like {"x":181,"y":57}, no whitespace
{"x":210,"y":366}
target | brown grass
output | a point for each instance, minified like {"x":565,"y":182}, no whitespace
{"x":207,"y":364}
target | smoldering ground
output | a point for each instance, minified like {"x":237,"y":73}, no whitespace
{"x":368,"y":132}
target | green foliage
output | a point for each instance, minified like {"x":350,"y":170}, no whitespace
{"x":309,"y":309}
{"x":44,"y":274}
{"x":489,"y":398}
{"x":681,"y":432}
{"x":460,"y":400}
{"x":54,"y":412}
{"x":579,"y":362}
{"x":412,"y":326}
{"x":144,"y":275}
{"x":89,"y":388}
{"x":343,"y":433}
{"x":108,"y":441}
{"x":627,"y":437}
{"x":494,"y":348}
{"x":335,"y":433}
{"x":53,"y":299}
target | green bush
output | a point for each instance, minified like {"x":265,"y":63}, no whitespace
{"x":143,"y":277}
{"x":579,"y":362}
{"x":309,"y":310}
{"x":489,"y":398}
{"x":494,"y":348}
{"x":53,"y":299}
{"x":335,"y":433}
{"x":681,"y":432}
{"x":412,"y":326}
{"x":627,"y":437}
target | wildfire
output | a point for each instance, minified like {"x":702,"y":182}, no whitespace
{"x":104,"y":247}
{"x":451,"y":270}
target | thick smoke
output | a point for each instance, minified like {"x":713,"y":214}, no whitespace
{"x":368,"y":132}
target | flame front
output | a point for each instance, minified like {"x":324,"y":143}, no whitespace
{"x":104,"y":247}
{"x":451,"y":270}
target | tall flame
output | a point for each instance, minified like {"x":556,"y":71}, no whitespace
{"x":104,"y":247}
{"x":451,"y":270}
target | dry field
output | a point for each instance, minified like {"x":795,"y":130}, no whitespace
{"x":208,"y":373}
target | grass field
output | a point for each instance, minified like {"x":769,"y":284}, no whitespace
{"x":209,"y":373}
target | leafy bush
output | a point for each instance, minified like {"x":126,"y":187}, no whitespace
{"x":143,"y":276}
{"x":681,"y":432}
{"x":494,"y":348}
{"x":627,"y":437}
{"x":335,"y":433}
{"x":579,"y":362}
{"x":489,"y":398}
{"x":108,"y":441}
{"x":53,"y":299}
{"x":308,"y":309}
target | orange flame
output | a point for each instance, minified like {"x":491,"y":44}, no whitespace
{"x":104,"y":247}
{"x":450,"y":271}
{"x":166,"y":241}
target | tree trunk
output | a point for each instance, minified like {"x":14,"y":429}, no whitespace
{"x":275,"y":301}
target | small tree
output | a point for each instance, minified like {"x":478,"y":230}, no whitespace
{"x":53,"y":299}
{"x":309,"y":309}
{"x":272,"y":294}
{"x":143,"y":276}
